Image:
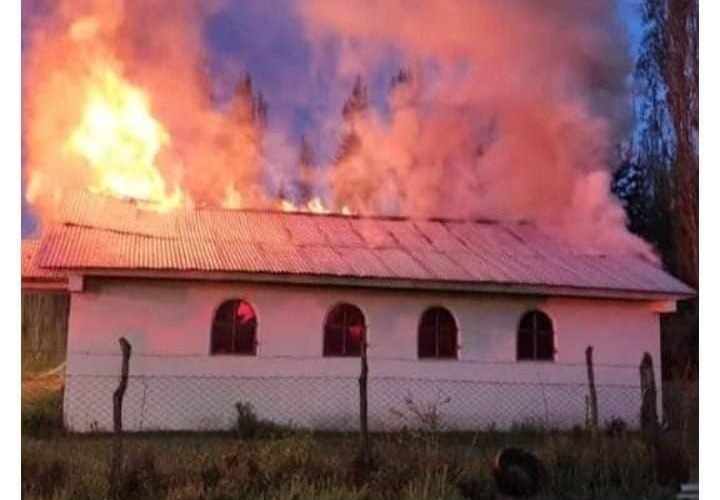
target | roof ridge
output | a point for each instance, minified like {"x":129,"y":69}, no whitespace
{"x":147,"y":207}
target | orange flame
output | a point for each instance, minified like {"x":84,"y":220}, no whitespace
{"x":100,"y":123}
{"x":120,"y":138}
{"x":314,"y":206}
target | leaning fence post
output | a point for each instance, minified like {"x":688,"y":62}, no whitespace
{"x":365,"y":435}
{"x":593,"y":417}
{"x":648,"y":409}
{"x":118,"y":396}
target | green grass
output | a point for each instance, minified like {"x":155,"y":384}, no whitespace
{"x":273,"y":463}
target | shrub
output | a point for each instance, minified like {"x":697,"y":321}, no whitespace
{"x":248,"y":425}
{"x":425,"y":415}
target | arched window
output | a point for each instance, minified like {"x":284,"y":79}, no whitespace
{"x":234,"y":328}
{"x":344,"y":331}
{"x":535,"y":337}
{"x":437,"y":334}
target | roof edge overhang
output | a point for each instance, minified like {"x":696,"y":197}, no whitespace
{"x":394,"y":283}
{"x":43,"y":284}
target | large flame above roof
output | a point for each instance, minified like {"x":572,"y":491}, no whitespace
{"x":112,"y":111}
{"x":120,"y":138}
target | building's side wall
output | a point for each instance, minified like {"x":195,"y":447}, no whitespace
{"x":177,"y":384}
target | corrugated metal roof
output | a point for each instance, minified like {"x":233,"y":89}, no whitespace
{"x":102,"y":233}
{"x":32,"y":273}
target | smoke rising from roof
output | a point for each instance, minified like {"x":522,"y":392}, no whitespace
{"x":509,"y":110}
{"x":504,"y":109}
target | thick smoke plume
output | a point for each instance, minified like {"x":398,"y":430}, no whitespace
{"x":501,"y":109}
{"x":508,"y":109}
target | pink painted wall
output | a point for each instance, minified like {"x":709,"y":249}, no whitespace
{"x":168,"y":325}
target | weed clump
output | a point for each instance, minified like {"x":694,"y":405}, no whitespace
{"x":248,"y":425}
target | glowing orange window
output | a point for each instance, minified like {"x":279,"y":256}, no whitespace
{"x":344,"y":331}
{"x":234,"y":329}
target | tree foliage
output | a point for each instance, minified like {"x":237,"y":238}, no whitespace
{"x":663,"y":206}
{"x":658,"y":178}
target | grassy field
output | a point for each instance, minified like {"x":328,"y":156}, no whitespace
{"x":259,"y":461}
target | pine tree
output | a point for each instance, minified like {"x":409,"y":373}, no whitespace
{"x":354,"y":109}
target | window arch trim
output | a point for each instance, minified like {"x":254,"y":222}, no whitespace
{"x":454,"y":342}
{"x":349,"y":347}
{"x":216,"y":350}
{"x":538,"y":351}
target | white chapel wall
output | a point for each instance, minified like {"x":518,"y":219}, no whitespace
{"x":177,"y":384}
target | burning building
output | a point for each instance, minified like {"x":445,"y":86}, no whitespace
{"x":467,"y":232}
{"x":271,"y":308}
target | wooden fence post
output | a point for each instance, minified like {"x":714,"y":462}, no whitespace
{"x":648,"y":409}
{"x":365,"y":435}
{"x":118,"y":395}
{"x":593,"y":417}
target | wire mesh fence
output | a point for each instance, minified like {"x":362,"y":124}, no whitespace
{"x":209,"y":402}
{"x":185,"y":393}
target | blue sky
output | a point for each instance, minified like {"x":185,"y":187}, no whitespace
{"x":266,"y":39}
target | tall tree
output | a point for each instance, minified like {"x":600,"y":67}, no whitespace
{"x":660,"y":179}
{"x":667,"y":77}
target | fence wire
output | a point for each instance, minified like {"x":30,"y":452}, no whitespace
{"x":209,"y":402}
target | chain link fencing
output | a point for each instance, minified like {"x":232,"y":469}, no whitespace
{"x":202,"y":402}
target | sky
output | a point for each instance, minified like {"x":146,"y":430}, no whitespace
{"x":267,"y":40}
